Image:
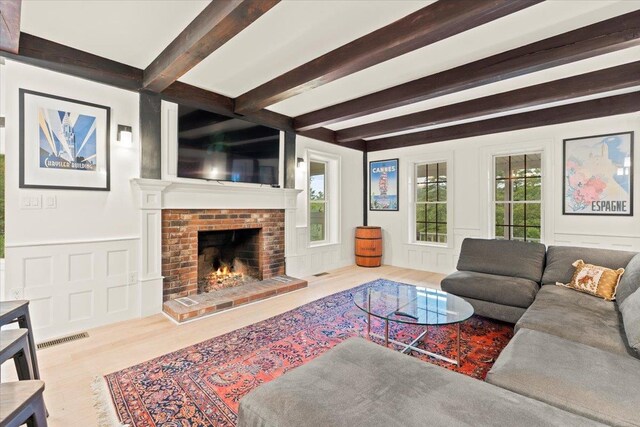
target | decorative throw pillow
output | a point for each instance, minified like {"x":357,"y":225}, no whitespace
{"x":595,"y":280}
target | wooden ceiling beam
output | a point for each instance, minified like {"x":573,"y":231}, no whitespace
{"x":603,"y":37}
{"x":435,"y":22}
{"x":64,"y":59}
{"x":10,"y":25}
{"x":600,"y":81}
{"x":218,"y":23}
{"x":602,"y":107}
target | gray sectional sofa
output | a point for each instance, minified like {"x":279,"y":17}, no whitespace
{"x":574,"y":358}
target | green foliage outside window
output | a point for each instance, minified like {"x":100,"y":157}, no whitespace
{"x":317,"y":201}
{"x":518,"y":197}
{"x":431,"y":202}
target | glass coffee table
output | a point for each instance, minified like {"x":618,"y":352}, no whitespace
{"x":407,"y":304}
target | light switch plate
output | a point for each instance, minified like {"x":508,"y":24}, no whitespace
{"x":31,"y":202}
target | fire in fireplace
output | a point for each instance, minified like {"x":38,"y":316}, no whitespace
{"x":228,"y":258}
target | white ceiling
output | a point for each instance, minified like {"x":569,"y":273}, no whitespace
{"x":289,"y":35}
{"x":297,"y":31}
{"x":130,"y":31}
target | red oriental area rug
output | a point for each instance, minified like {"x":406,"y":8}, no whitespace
{"x":202,"y":385}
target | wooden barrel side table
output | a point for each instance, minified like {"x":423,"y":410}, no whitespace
{"x":368,"y":246}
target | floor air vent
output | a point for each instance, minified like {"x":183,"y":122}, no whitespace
{"x":186,"y":301}
{"x":324,"y":273}
{"x":62,"y":340}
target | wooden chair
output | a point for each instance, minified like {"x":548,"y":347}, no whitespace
{"x":22,"y":402}
{"x":18,"y":311}
{"x":14,"y":344}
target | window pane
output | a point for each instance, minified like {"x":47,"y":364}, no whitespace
{"x":431,"y":212}
{"x":518,"y":210}
{"x":533,"y":234}
{"x":517,"y":233}
{"x":442,"y":192}
{"x":533,"y":186}
{"x":501,"y":190}
{"x":517,"y":189}
{"x":421,"y":195}
{"x":534,"y":164}
{"x":432,"y":172}
{"x":421,"y":231}
{"x":317,"y":221}
{"x":502,"y":232}
{"x":517,"y":166}
{"x":502,"y":167}
{"x":441,"y":210}
{"x":420,"y":213}
{"x":442,"y":228}
{"x":533,"y":214}
{"x":442,"y":171}
{"x":317,"y":181}
{"x":502,"y":214}
{"x":431,"y":228}
{"x":421,"y":173}
{"x":432,"y":192}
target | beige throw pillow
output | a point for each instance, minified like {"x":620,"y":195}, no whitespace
{"x":595,"y":280}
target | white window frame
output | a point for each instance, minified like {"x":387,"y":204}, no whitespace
{"x":547,"y":205}
{"x":332,"y":197}
{"x":412,"y":192}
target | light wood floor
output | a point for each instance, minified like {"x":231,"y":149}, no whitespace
{"x":68,"y":369}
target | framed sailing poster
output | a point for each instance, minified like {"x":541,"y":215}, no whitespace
{"x":64,"y":143}
{"x":598,"y":175}
{"x":383,"y":185}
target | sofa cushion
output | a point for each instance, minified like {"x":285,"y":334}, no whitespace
{"x":358,"y":384}
{"x":503,"y":257}
{"x":513,"y":291}
{"x":630,"y":310}
{"x":504,"y":313}
{"x":560,"y":259}
{"x":571,"y":376}
{"x":577,"y":317}
{"x":630,"y":281}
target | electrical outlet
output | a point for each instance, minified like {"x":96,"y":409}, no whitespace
{"x":50,"y":202}
{"x":133,"y":278}
{"x":16,"y":293}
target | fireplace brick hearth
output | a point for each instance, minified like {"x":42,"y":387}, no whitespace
{"x":180,"y":229}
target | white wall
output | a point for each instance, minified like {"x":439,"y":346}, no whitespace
{"x":307,"y":258}
{"x":470,"y":181}
{"x":75,"y":262}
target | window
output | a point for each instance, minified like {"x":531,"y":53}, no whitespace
{"x":431,"y":202}
{"x":317,"y":201}
{"x":518,"y":196}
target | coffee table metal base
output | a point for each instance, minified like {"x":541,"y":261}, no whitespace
{"x":411,"y":346}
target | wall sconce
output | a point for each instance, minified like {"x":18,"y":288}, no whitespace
{"x":124,"y":134}
{"x":300,"y":162}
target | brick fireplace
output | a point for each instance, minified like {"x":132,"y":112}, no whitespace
{"x":188,"y":233}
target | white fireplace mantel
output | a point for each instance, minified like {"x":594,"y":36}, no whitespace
{"x":155,"y":195}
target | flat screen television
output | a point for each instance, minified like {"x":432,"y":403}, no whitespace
{"x":220,"y":148}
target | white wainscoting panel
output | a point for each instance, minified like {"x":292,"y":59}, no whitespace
{"x":74,"y":286}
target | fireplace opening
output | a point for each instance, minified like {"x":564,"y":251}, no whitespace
{"x":228,"y":258}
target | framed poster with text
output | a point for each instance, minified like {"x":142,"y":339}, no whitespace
{"x":598,"y":175}
{"x":383,"y":185}
{"x":64,"y":143}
